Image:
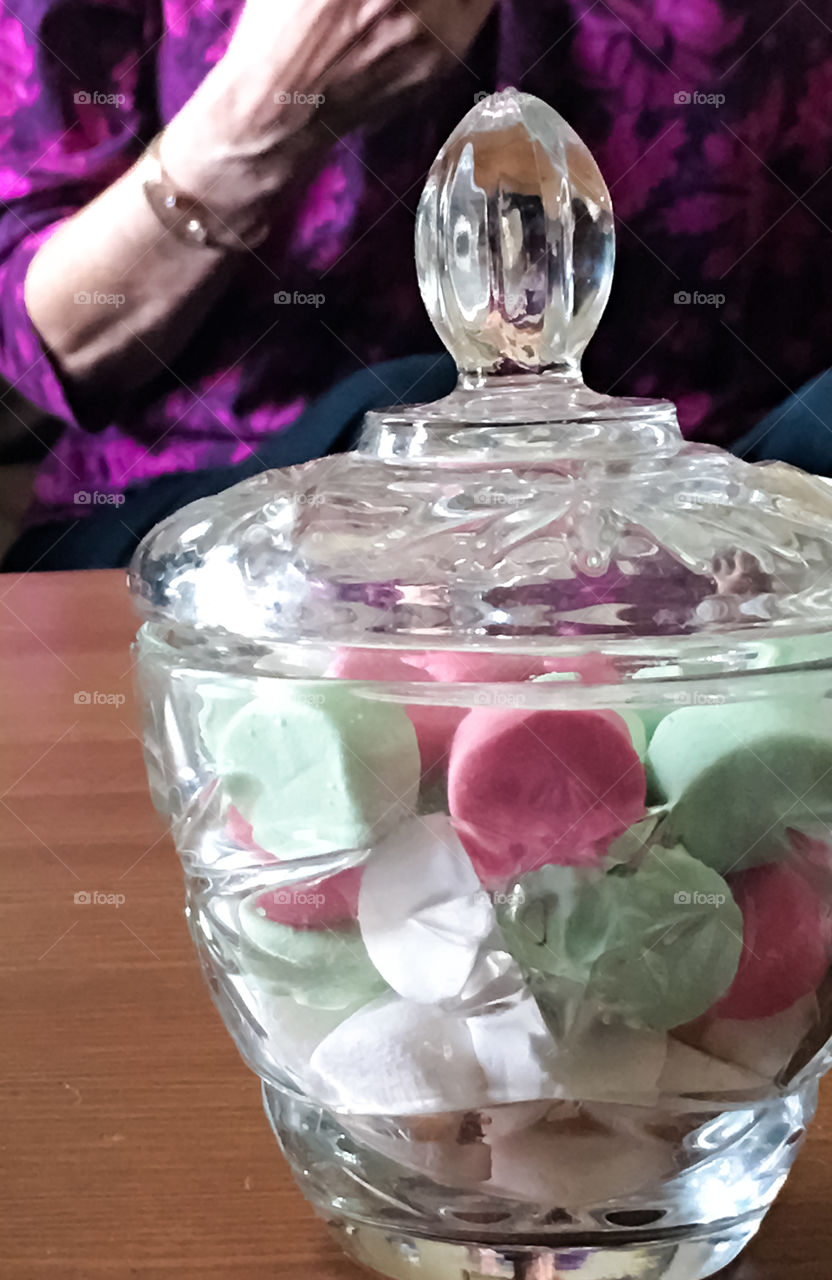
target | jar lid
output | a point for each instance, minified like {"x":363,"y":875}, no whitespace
{"x":523,"y":507}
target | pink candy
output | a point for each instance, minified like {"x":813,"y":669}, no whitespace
{"x":786,"y":942}
{"x":530,"y":787}
{"x":435,"y":726}
{"x":303,"y":906}
{"x":238,"y":829}
{"x":315,"y":906}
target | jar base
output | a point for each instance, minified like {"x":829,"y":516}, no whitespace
{"x":403,"y":1256}
{"x":594,"y":1206}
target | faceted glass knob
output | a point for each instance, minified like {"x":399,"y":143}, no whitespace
{"x":514,"y":240}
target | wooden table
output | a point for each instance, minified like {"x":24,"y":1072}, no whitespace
{"x":132,"y":1140}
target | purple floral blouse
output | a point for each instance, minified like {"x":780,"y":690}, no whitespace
{"x":711,"y":121}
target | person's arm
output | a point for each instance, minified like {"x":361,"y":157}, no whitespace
{"x":236,"y":147}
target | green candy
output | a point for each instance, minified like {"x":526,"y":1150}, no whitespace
{"x":655,"y":947}
{"x":322,"y":968}
{"x":313,"y":766}
{"x":737,"y":775}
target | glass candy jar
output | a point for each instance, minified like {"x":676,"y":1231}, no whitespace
{"x":498,"y":754}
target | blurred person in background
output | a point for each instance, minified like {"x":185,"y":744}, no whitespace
{"x":206,"y":220}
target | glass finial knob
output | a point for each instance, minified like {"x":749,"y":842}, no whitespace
{"x":514,"y":240}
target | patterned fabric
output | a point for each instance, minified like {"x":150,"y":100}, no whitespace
{"x":710,"y":120}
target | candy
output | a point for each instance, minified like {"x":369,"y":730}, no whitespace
{"x":293,"y":1031}
{"x":238,"y":830}
{"x":397,"y":1057}
{"x":786,"y":943}
{"x":579,"y":1163}
{"x":656,"y":947}
{"x":688,"y":1071}
{"x":530,"y":787}
{"x":377,"y":664}
{"x":515,"y":1051}
{"x":326,"y":968}
{"x":623,"y":718}
{"x":435,"y":726}
{"x":763,"y":1045}
{"x":315,"y":768}
{"x":464,"y":668}
{"x":423,"y":913}
{"x":738,"y":775}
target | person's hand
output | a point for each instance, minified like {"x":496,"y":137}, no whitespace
{"x":296,"y":74}
{"x":347,"y":59}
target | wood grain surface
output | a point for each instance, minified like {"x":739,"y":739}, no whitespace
{"x":132,"y":1140}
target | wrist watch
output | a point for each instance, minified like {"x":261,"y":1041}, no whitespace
{"x":185,"y":217}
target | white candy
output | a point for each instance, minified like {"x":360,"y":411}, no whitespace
{"x":397,"y":1057}
{"x":613,"y":1063}
{"x":515,"y":1051}
{"x":294,"y":1030}
{"x":423,"y":913}
{"x":549,"y":1165}
{"x":689,"y":1071}
{"x":764,"y":1045}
